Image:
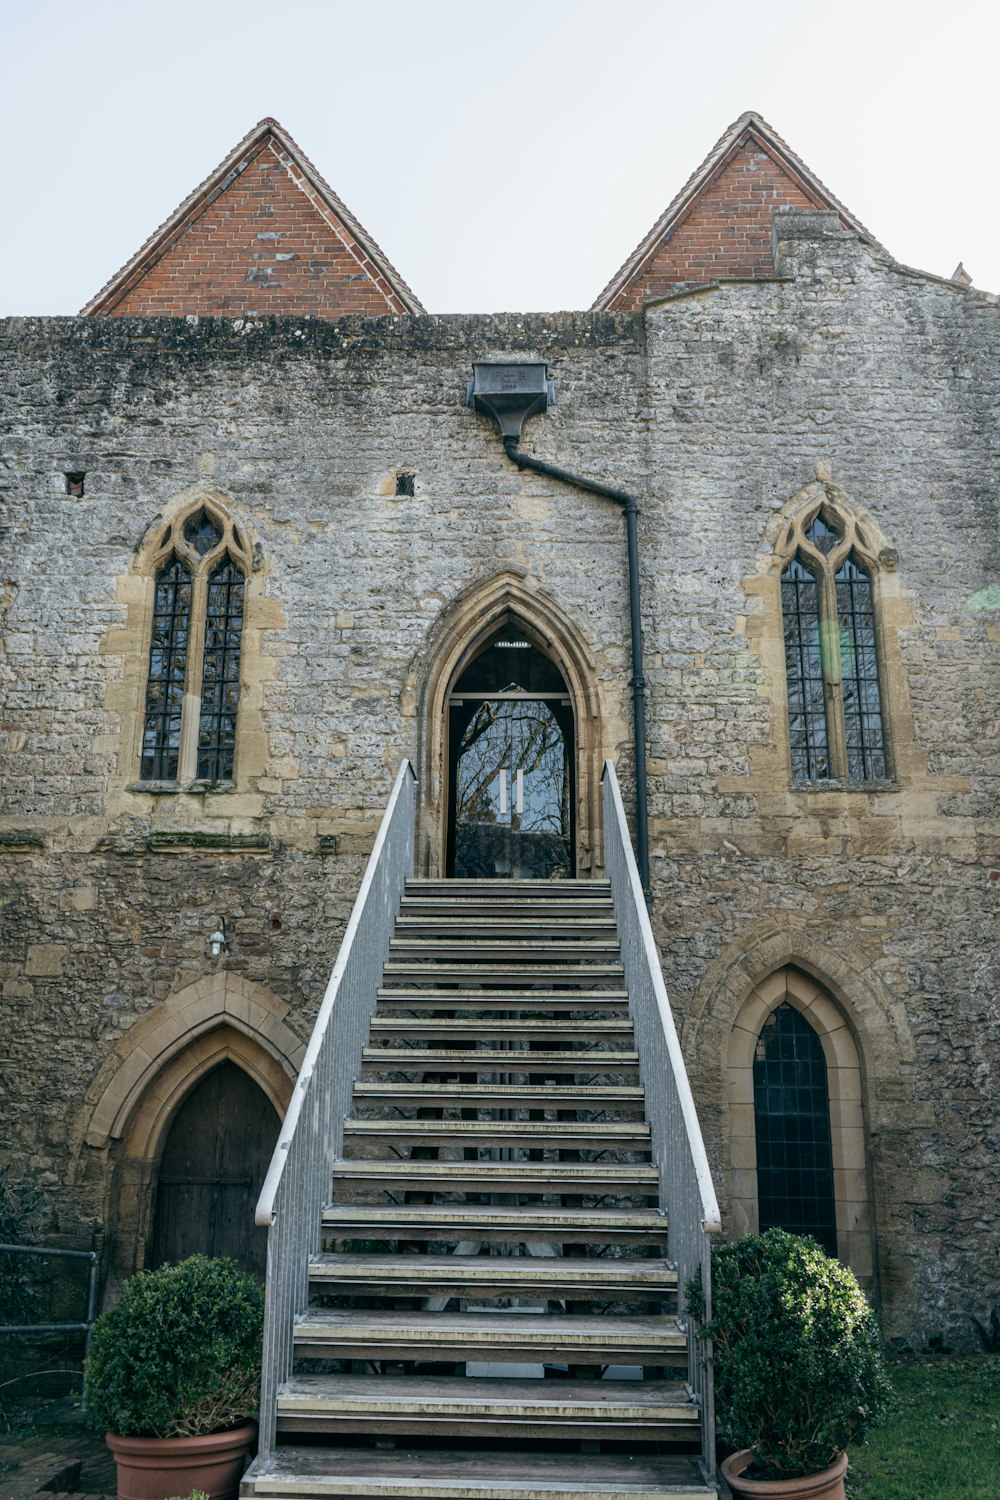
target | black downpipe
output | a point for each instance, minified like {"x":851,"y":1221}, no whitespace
{"x":638,"y":681}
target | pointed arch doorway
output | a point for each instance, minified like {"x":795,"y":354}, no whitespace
{"x":511,"y":766}
{"x":215,"y":1156}
{"x":508,"y":606}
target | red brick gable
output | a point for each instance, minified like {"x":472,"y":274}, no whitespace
{"x":264,"y":234}
{"x":719,"y":225}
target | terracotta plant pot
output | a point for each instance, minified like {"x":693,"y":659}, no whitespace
{"x":827,"y":1485}
{"x":156,"y":1468}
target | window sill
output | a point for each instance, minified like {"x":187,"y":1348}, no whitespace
{"x":175,"y":788}
{"x":884,"y":784}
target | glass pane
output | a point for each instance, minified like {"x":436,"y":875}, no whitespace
{"x":862,"y":698}
{"x":512,"y":790}
{"x":220,"y":684}
{"x":792,"y":1120}
{"x":804,"y":673}
{"x":823,"y":536}
{"x":202,"y":533}
{"x":161,"y":733}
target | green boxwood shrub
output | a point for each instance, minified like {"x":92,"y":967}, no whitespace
{"x":179,"y":1353}
{"x":799,"y":1373}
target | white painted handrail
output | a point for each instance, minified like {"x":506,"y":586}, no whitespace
{"x":687,"y":1193}
{"x":298,"y":1179}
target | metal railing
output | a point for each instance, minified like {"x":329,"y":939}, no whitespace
{"x":686,"y":1191}
{"x":298,"y":1180}
{"x":87,"y":1326}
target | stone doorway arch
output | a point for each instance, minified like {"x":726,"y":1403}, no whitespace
{"x":509,"y":601}
{"x":135,"y":1096}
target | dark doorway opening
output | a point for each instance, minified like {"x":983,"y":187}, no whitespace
{"x":512,"y":799}
{"x":216,"y":1154}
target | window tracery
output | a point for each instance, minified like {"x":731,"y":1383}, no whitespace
{"x":200,"y":568}
{"x":835,"y":709}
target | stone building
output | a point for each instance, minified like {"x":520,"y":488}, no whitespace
{"x":255,"y":539}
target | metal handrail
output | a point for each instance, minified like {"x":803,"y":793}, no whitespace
{"x":312,"y":1135}
{"x":87,"y":1326}
{"x":686,"y":1190}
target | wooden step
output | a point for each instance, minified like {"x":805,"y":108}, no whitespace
{"x":582,"y":1179}
{"x":507,"y":1337}
{"x":519,"y":975}
{"x":480,"y":1060}
{"x":514,"y":1276}
{"x":504,"y":1000}
{"x":457,"y":890}
{"x":626,"y":1410}
{"x":446,"y":1223}
{"x":548,"y":908}
{"x":465,"y":924}
{"x":522,"y":950}
{"x":353,"y":1473}
{"x":501,"y":1096}
{"x":585,"y":1135}
{"x":419,"y":1028}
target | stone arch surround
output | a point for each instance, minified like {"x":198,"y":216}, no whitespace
{"x":153,"y":1067}
{"x":507,"y":599}
{"x":870,"y":1059}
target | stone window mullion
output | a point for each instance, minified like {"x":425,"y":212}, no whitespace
{"x":191,"y":716}
{"x":832,"y":675}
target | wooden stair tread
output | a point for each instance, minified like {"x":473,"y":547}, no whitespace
{"x":474,"y":1271}
{"x":462,"y":1392}
{"x":456,"y":1474}
{"x":564,"y":1096}
{"x":572,"y":1174}
{"x":462,"y":1026}
{"x":438,"y":1059}
{"x":597,"y":1134}
{"x":468,"y":1220}
{"x":494,"y":1335}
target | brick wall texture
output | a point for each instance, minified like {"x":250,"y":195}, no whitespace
{"x":720,"y":410}
{"x":726,"y":232}
{"x":263,"y":244}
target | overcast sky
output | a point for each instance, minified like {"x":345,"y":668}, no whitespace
{"x":507,"y":157}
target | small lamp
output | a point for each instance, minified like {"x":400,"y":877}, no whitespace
{"x":217,"y":943}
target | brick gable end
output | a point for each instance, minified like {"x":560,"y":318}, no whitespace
{"x":725,"y":233}
{"x":264,"y":244}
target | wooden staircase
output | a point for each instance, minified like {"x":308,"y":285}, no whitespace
{"x":492,"y":1313}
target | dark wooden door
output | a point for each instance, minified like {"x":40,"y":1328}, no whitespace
{"x":214,"y":1160}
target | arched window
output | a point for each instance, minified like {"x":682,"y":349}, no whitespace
{"x":835,"y":717}
{"x":792,"y":1129}
{"x":796,"y":1119}
{"x":192,"y":689}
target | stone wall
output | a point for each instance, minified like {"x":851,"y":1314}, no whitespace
{"x":725,"y":411}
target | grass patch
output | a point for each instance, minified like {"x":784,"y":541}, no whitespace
{"x":942,"y":1442}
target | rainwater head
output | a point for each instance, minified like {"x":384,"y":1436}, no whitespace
{"x":510,"y":393}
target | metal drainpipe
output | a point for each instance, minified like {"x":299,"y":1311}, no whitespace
{"x":638,"y":681}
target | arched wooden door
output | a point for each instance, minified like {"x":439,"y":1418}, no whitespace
{"x":214,"y":1159}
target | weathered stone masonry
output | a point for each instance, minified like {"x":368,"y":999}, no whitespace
{"x":726,"y":410}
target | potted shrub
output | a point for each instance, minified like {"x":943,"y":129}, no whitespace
{"x":173,"y":1377}
{"x":798,"y":1362}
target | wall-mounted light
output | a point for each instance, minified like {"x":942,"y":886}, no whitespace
{"x":217,"y":943}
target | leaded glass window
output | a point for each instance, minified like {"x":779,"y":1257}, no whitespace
{"x":804,"y":673}
{"x":192,"y":690}
{"x":792,"y":1127}
{"x":835,"y":718}
{"x":859,"y":670}
{"x":168,"y":655}
{"x":220,"y":683}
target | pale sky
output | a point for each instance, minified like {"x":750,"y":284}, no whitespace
{"x":506,"y":157}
